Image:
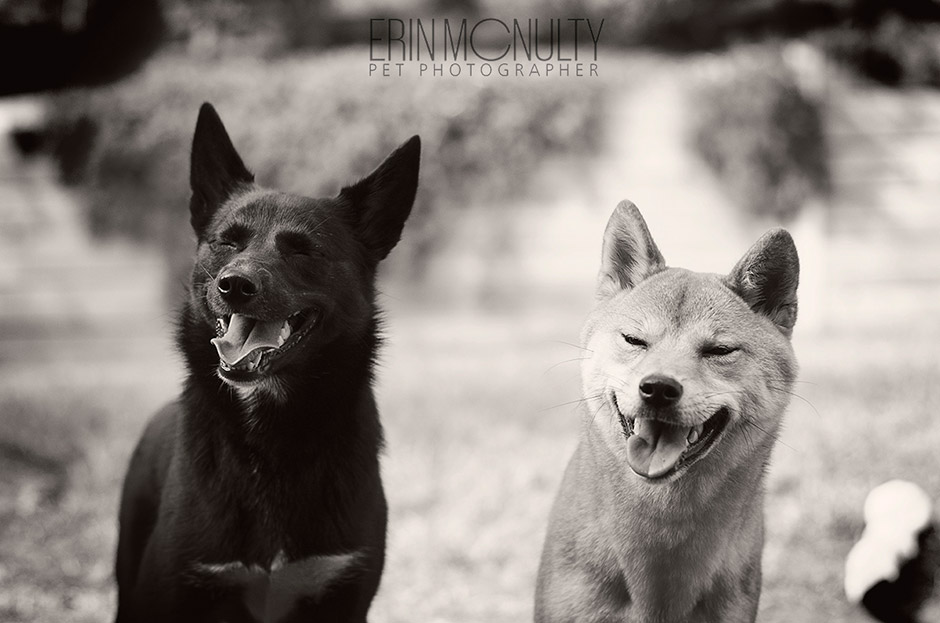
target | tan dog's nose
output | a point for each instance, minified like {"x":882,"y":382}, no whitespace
{"x":659,"y":390}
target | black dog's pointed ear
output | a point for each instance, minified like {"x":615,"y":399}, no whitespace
{"x":767,"y":278}
{"x":629,"y":254}
{"x":380,"y":203}
{"x":216,"y":169}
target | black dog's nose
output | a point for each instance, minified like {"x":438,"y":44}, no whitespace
{"x":237,"y":288}
{"x":658,"y":390}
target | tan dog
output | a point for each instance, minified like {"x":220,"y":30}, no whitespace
{"x":660,"y":514}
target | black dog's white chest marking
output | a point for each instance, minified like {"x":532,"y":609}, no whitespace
{"x":271,"y":594}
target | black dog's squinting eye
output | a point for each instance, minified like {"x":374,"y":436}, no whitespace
{"x":304,"y":254}
{"x":293,"y":244}
{"x":224,"y":245}
{"x":235,"y":236}
{"x":632,"y":340}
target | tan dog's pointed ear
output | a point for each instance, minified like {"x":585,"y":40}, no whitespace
{"x":767,"y":278}
{"x":629,"y":254}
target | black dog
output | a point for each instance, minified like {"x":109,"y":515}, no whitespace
{"x":256,"y":496}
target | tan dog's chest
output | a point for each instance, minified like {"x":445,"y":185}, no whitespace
{"x":667,"y":560}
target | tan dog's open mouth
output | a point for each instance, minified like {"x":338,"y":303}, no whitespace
{"x":657,"y":449}
{"x":248,"y":346}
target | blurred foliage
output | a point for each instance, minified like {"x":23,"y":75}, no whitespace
{"x":687,"y":25}
{"x":312,"y":125}
{"x":275,"y":27}
{"x":63,"y":43}
{"x":30,"y":11}
{"x":761,"y":136}
{"x":45,"y":434}
{"x":895,"y":43}
{"x":895,"y":52}
{"x":216,"y":27}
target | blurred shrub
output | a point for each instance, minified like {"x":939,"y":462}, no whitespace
{"x":689,"y":25}
{"x":45,"y":433}
{"x":761,"y":136}
{"x":894,"y":52}
{"x":312,"y":125}
{"x":213,"y":28}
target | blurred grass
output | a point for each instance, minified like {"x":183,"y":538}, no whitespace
{"x":61,"y":455}
{"x":867,"y":415}
{"x":475,"y":454}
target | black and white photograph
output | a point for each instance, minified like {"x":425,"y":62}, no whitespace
{"x":480,"y":311}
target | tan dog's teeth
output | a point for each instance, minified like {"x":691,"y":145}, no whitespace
{"x":694,"y":434}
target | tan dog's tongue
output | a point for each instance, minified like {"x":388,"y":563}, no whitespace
{"x":245,"y":335}
{"x":655,"y":447}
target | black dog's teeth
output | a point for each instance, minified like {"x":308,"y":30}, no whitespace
{"x":259,"y":359}
{"x":296,"y":321}
{"x":299,"y":319}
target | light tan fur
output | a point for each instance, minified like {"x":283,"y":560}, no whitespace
{"x":684,"y":546}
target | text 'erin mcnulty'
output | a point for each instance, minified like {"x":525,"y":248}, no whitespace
{"x":487,"y":47}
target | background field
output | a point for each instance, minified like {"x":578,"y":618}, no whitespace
{"x":474,"y":457}
{"x":486,"y":294}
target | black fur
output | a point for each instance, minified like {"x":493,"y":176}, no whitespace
{"x":901,"y":600}
{"x":287,"y":468}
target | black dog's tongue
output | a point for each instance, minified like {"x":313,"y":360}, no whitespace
{"x":245,"y":335}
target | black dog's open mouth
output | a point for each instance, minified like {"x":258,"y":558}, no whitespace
{"x":249,"y":346}
{"x":657,"y":450}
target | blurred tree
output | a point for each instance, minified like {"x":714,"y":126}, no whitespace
{"x":59,"y":43}
{"x":689,"y":25}
{"x":304,"y":23}
{"x":761,"y":136}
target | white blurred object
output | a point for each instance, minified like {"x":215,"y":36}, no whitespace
{"x":897,"y":513}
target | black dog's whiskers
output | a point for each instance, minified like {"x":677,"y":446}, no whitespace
{"x":387,"y":295}
{"x":321,"y":223}
{"x":205,"y":270}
